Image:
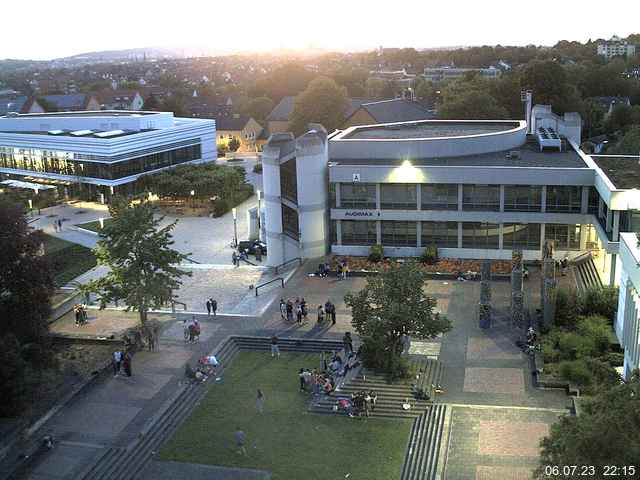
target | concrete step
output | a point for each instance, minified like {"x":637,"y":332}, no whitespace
{"x":423,"y":452}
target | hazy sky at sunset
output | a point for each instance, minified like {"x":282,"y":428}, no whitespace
{"x":44,"y":29}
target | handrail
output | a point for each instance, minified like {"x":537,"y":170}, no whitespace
{"x":248,"y":261}
{"x":173,"y":305}
{"x":299,"y":259}
{"x":270,"y":281}
{"x":189,"y":259}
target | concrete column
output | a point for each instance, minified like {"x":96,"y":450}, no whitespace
{"x":419,"y":195}
{"x":419,"y":234}
{"x":600,"y":206}
{"x":616,"y":225}
{"x":338,"y":195}
{"x":609,"y":220}
{"x":339,"y":232}
{"x":584,"y":205}
{"x":460,"y":196}
{"x":501,"y":201}
{"x":378,"y":232}
{"x":583,"y":237}
{"x":311,"y":173}
{"x":542,"y":233}
{"x":279,"y":145}
{"x":543,"y":199}
{"x":612,"y":271}
{"x":459,"y":234}
{"x":500,"y":236}
{"x":378,"y":196}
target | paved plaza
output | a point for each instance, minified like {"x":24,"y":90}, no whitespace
{"x":497,"y":416}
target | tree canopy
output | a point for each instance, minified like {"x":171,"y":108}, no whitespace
{"x":324,"y":102}
{"x":143,"y":267}
{"x":629,"y":144}
{"x":259,"y":108}
{"x":605,"y":433}
{"x":391,"y":304}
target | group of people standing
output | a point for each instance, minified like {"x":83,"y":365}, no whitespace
{"x":191,"y":330}
{"x":121,"y":362}
{"x":298,"y":308}
{"x":80,"y":314}
{"x":212,"y":306}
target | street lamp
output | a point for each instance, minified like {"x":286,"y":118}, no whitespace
{"x":235,"y":227}
{"x":258,"y":212}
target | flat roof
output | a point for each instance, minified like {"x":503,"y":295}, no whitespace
{"x":529,"y":153}
{"x":92,"y":134}
{"x":622,"y":170}
{"x":428,"y":129}
{"x":96,"y":113}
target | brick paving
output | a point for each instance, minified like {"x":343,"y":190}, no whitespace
{"x":511,"y":438}
{"x":503,"y":473}
{"x":494,"y":380}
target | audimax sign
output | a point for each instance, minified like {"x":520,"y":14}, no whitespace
{"x":361,"y":213}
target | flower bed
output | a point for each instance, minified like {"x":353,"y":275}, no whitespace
{"x":444,"y":265}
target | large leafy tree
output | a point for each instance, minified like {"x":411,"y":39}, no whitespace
{"x":324,"y":102}
{"x":26,"y":280}
{"x":259,"y":108}
{"x":605,"y":433}
{"x":629,"y":144}
{"x":391,"y":304}
{"x":143,"y":268}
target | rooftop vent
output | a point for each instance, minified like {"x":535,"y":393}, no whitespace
{"x":110,"y":133}
{"x":514,"y":155}
{"x":81,"y":133}
{"x":12,"y":114}
{"x":55,"y":132}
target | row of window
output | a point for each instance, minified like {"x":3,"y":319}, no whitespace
{"x":474,"y":234}
{"x":62,"y":163}
{"x":517,"y":198}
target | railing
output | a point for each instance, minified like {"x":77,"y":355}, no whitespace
{"x":189,"y":259}
{"x":249,"y":262}
{"x":280,"y":279}
{"x":297,"y":259}
{"x":173,"y":305}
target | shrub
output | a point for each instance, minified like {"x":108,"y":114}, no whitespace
{"x":373,"y":352}
{"x":597,"y":329}
{"x":567,"y":309}
{"x":397,"y":367}
{"x":430,"y":255}
{"x":222,"y":150}
{"x":234,"y":144}
{"x":573,"y":346}
{"x":13,"y":383}
{"x":376,"y":253}
{"x":220,"y":207}
{"x":257,"y":168}
{"x":615,"y":359}
{"x":603,"y":375}
{"x":601,"y":301}
{"x":577,"y":372}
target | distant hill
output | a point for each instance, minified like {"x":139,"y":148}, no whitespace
{"x":139,"y":54}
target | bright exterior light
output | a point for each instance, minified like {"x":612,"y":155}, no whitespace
{"x":37,"y":190}
{"x":111,"y":189}
{"x":406,"y":173}
{"x":101,"y":223}
{"x":193,"y":192}
{"x":30,"y":204}
{"x":406,"y":163}
{"x":233,"y":212}
{"x":258,"y":192}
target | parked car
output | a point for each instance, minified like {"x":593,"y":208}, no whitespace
{"x":252,"y":247}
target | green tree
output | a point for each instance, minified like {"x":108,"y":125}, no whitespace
{"x":287,"y":80}
{"x":175,"y":103}
{"x":605,"y":433}
{"x":629,"y":144}
{"x":391,"y":304}
{"x":324,"y":102}
{"x":549,"y":83}
{"x":472,"y":105}
{"x":143,"y":268}
{"x":234,"y":144}
{"x":259,"y":108}
{"x":13,"y":385}
{"x":151,"y":103}
{"x":26,"y":279}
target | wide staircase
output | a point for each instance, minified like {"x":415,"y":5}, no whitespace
{"x":422,"y":457}
{"x":586,"y":274}
{"x":124,"y":463}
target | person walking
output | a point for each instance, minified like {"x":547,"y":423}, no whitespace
{"x":117,"y":360}
{"x":126,"y":364}
{"x":214,"y":306}
{"x":289,"y":311}
{"x":299,"y":314}
{"x":275,"y":349}
{"x":303,"y":307}
{"x":55,"y":225}
{"x":347,"y":341}
{"x":320,"y":314}
{"x":208,"y":307}
{"x":260,"y":402}
{"x":59,"y":225}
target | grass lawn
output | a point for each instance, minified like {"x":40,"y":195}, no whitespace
{"x":68,"y":259}
{"x":94,"y":226}
{"x":285,"y":439}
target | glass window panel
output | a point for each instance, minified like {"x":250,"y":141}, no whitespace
{"x":566,"y":199}
{"x":399,"y":234}
{"x":358,"y":232}
{"x":521,"y":236}
{"x":358,"y":195}
{"x":565,"y":237}
{"x":481,"y":197}
{"x":289,"y":181}
{"x":398,"y":196}
{"x":480,"y":235}
{"x":439,"y":196}
{"x":290,"y":225}
{"x":522,"y":198}
{"x":442,"y":234}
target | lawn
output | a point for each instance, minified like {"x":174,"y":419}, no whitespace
{"x":94,"y":226}
{"x":68,"y":259}
{"x":285,"y":439}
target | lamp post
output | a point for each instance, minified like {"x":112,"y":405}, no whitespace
{"x":193,"y":204}
{"x":235,"y":227}
{"x":258,"y":213}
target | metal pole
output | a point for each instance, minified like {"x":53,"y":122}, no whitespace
{"x":235,"y":228}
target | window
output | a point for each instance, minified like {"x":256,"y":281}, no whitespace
{"x":399,"y":234}
{"x":333,"y":232}
{"x":332,"y":195}
{"x":594,"y":200}
{"x":564,"y":199}
{"x":356,"y":232}
{"x":522,"y":198}
{"x":564,"y":237}
{"x":398,"y":196}
{"x":289,"y":181}
{"x":521,"y":236}
{"x":358,"y":195}
{"x":439,"y":197}
{"x":480,"y":235}
{"x":443,"y":234}
{"x":290,"y":225}
{"x":481,"y":197}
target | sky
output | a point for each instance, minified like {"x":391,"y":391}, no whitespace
{"x":44,"y":29}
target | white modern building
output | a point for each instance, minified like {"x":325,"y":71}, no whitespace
{"x":616,"y":47}
{"x":439,"y":74}
{"x":628,"y":317}
{"x":106,"y":150}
